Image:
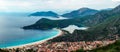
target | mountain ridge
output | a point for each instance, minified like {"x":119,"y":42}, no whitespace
{"x":80,"y":13}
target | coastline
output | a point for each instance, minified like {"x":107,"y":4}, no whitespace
{"x":35,"y":43}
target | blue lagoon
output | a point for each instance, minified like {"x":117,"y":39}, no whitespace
{"x":11,"y":33}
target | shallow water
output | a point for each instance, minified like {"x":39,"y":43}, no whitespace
{"x":11,"y":33}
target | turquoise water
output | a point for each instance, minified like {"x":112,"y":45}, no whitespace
{"x":11,"y":33}
{"x":27,"y":38}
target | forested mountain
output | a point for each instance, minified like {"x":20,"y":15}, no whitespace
{"x":45,"y":24}
{"x":108,"y":29}
{"x":105,"y":30}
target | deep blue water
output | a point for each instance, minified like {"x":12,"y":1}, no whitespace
{"x":11,"y":33}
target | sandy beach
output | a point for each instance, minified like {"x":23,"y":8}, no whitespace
{"x":35,"y":43}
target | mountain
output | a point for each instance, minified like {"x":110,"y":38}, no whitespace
{"x":110,"y":26}
{"x":89,"y":21}
{"x":80,"y":13}
{"x":99,"y":17}
{"x":116,"y":10}
{"x":48,"y":13}
{"x":105,"y":30}
{"x":108,"y":29}
{"x":45,"y":24}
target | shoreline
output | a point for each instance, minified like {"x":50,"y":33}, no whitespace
{"x":35,"y":43}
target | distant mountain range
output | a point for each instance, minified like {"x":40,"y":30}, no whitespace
{"x":48,"y":14}
{"x":80,"y":13}
{"x":74,"y":14}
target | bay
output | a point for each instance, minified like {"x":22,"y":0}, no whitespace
{"x":11,"y":33}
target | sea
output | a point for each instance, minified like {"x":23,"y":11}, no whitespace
{"x":12,"y":34}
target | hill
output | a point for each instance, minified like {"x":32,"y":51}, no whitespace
{"x":45,"y":24}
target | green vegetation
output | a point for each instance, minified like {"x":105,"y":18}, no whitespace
{"x":106,"y":30}
{"x":109,"y":25}
{"x":110,"y":48}
{"x":115,"y":47}
{"x":45,"y":24}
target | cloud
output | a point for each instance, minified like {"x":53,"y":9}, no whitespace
{"x":57,"y":5}
{"x":116,"y":0}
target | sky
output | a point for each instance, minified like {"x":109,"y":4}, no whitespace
{"x":54,"y":5}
